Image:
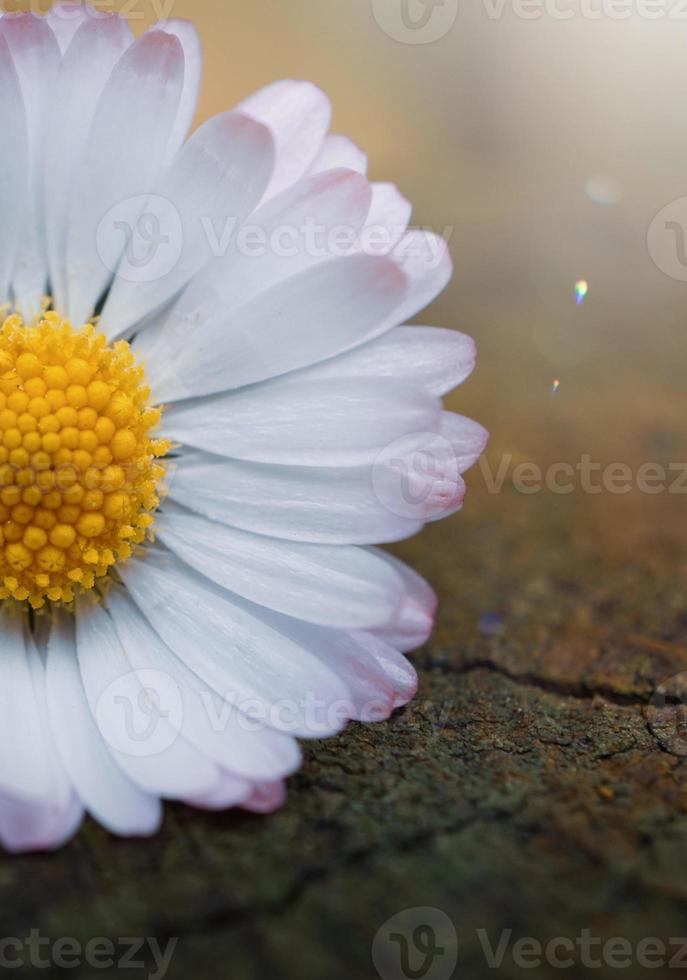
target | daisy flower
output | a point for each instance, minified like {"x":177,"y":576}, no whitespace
{"x":209,"y":410}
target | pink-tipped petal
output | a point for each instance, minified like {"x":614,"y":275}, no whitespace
{"x":413,"y":626}
{"x":266,"y":798}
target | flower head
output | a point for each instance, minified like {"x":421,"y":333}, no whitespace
{"x":209,"y":407}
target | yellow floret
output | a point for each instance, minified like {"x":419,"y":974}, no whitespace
{"x":78,"y":469}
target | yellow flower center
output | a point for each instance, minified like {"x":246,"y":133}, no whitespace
{"x":78,"y":471}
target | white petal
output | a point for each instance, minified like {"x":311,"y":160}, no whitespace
{"x":426,"y":261}
{"x":126,"y":147}
{"x":41,"y":634}
{"x":298,"y":113}
{"x":377,"y":678}
{"x":92,"y":55}
{"x":454,"y":449}
{"x":431,"y":358}
{"x":213,"y":183}
{"x":339,"y":151}
{"x":414,"y":625}
{"x":66,"y":18}
{"x":336,"y":505}
{"x":424,"y":468}
{"x":153,"y":755}
{"x":224,"y":640}
{"x":26,"y":826}
{"x":256,"y":329}
{"x":299,"y":228}
{"x":218,"y":730}
{"x":13,"y":168}
{"x":38,"y":808}
{"x":284,"y":237}
{"x":397,"y":668}
{"x":109,"y":795}
{"x":25,"y":770}
{"x":334,"y":586}
{"x":337,"y":422}
{"x":387,"y":220}
{"x":187,"y":35}
{"x":231,"y":791}
{"x":309,"y":317}
{"x":468,"y":439}
{"x":62,"y":787}
{"x":418,"y":476}
{"x":36,"y":57}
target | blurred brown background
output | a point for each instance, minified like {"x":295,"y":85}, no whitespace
{"x":536,"y":783}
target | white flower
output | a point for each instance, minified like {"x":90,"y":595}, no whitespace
{"x":261,"y":280}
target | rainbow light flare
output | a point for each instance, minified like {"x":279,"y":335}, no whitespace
{"x":581,"y":291}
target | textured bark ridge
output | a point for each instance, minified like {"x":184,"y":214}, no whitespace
{"x":537,"y":784}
